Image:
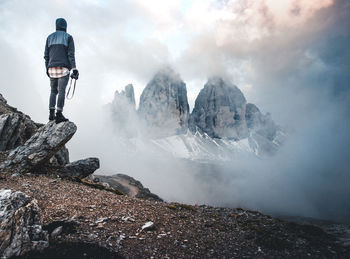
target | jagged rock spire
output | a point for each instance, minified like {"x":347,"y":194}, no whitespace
{"x":220,"y":110}
{"x":164,"y":105}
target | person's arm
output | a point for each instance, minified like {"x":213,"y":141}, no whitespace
{"x":46,"y":56}
{"x":71,"y":52}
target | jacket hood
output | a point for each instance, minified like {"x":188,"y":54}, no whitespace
{"x":61,"y":24}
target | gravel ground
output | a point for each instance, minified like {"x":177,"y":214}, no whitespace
{"x":101,"y":224}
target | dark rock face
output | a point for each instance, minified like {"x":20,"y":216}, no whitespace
{"x":164,"y":105}
{"x":20,"y":227}
{"x":40,"y":147}
{"x":15,"y":129}
{"x":220,"y":110}
{"x":81,"y":168}
{"x":126,"y":184}
{"x":61,"y":158}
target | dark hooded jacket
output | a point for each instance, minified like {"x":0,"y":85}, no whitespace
{"x":59,"y":48}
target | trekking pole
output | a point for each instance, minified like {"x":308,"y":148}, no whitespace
{"x":70,"y":85}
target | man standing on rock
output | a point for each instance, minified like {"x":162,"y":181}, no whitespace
{"x":59,"y":60}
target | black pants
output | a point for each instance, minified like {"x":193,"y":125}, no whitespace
{"x":58,"y":86}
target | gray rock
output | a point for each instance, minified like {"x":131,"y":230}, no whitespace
{"x":15,"y":130}
{"x":126,"y":184}
{"x":40,"y":147}
{"x":20,"y":226}
{"x":2,"y":99}
{"x":5,"y":108}
{"x":56,"y":232}
{"x":61,"y":158}
{"x":220,"y":110}
{"x":81,"y":168}
{"x":148,"y":226}
{"x":164,"y":105}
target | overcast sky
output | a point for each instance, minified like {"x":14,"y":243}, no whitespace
{"x":290,"y":57}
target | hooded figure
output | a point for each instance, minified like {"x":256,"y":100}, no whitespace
{"x":61,"y":24}
{"x":59,"y":60}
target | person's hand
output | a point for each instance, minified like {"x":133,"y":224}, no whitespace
{"x":75,"y":74}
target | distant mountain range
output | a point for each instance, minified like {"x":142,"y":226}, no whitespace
{"x":221,"y":124}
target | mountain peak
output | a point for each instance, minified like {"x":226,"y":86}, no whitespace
{"x":127,"y":95}
{"x":164,"y":105}
{"x":220,"y":110}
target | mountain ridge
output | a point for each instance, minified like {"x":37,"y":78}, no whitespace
{"x":221,"y":113}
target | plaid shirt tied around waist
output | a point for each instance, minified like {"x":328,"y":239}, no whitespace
{"x":57,"y":72}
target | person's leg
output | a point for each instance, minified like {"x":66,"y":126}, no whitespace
{"x":62,"y":84}
{"x":54,"y":92}
{"x":53,"y":95}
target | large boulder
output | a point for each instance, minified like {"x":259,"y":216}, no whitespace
{"x":164,"y":105}
{"x":40,"y":147}
{"x":81,"y":168}
{"x":220,"y":110}
{"x":15,"y":130}
{"x":20,"y":227}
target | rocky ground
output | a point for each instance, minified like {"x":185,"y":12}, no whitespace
{"x":100,"y":224}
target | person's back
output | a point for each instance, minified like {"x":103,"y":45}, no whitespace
{"x":59,"y":60}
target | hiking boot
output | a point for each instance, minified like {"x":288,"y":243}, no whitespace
{"x":60,"y":117}
{"x":52,"y":115}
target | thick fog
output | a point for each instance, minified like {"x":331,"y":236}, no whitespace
{"x":291,"y":59}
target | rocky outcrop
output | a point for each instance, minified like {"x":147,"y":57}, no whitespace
{"x":20,"y":227}
{"x":4,"y":107}
{"x":81,"y":168}
{"x":220,"y":110}
{"x":40,"y":147}
{"x":127,"y":185}
{"x":15,"y":130}
{"x":164,"y":105}
{"x":2,"y":99}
